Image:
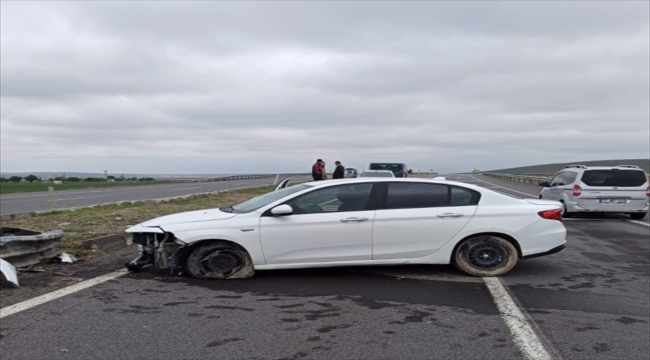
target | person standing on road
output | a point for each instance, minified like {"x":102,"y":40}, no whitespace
{"x":339,"y":172}
{"x":317,"y":170}
{"x":324,"y":170}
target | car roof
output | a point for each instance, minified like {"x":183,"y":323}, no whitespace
{"x":601,"y":168}
{"x":326,"y":183}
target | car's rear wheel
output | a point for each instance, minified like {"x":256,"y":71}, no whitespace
{"x":219,"y":260}
{"x":637,"y":216}
{"x":485,"y":256}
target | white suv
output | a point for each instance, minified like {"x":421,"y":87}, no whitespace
{"x":618,"y":189}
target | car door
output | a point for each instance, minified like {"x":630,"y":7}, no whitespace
{"x":328,"y":224}
{"x":414,"y":219}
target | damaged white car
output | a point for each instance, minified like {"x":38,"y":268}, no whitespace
{"x":363,"y":221}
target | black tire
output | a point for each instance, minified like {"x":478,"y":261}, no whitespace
{"x":219,"y":260}
{"x":485,"y":256}
{"x":565,"y":212}
{"x":637,"y":216}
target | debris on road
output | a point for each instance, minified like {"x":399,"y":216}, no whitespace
{"x":9,"y":272}
{"x":30,"y":268}
{"x":61,"y":273}
{"x":66,"y":258}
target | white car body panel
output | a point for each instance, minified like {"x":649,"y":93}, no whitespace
{"x":189,"y":217}
{"x":414,"y":233}
{"x":317,"y":237}
{"x":9,"y":272}
{"x":408,"y":236}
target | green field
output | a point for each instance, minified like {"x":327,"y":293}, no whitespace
{"x":12,"y":188}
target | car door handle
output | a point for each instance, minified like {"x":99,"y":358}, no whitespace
{"x":354,"y":219}
{"x":450,"y":215}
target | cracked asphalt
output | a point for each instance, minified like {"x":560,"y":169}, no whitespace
{"x":590,"y":301}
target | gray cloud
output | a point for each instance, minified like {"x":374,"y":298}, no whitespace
{"x":200,"y":87}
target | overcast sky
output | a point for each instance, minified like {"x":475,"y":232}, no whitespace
{"x":207,"y":87}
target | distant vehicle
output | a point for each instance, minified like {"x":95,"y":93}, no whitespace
{"x":602,"y":189}
{"x":351,"y":171}
{"x":398,"y":169}
{"x":376,"y":173}
{"x":371,"y":221}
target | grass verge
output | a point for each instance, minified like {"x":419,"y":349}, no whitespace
{"x":88,"y":223}
{"x":14,"y":188}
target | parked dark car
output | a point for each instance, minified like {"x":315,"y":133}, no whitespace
{"x":398,"y":169}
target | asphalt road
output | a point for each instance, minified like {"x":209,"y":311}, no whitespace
{"x":591,"y":301}
{"x":19,"y":203}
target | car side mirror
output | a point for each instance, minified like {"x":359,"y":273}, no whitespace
{"x":544,"y":184}
{"x":282,"y":210}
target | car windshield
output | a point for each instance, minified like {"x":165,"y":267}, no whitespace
{"x":375,"y":174}
{"x":263,"y":200}
{"x":618,"y":178}
{"x":391,"y":167}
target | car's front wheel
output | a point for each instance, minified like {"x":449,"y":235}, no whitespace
{"x":219,"y":260}
{"x":637,"y":216}
{"x":485,"y":256}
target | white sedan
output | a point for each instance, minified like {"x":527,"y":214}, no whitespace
{"x":363,"y":221}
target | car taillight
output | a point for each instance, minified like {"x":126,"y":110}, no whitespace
{"x":647,"y":192}
{"x":577,"y":190}
{"x":551,"y":214}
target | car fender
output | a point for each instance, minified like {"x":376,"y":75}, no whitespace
{"x":247,"y":238}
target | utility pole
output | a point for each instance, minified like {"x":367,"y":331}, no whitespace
{"x":106,"y":174}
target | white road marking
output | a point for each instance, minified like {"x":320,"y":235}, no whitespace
{"x":242,"y":183}
{"x":84,"y":197}
{"x":39,"y":300}
{"x":503,"y":187}
{"x":192,"y":188}
{"x":522,"y":333}
{"x":637,"y":222}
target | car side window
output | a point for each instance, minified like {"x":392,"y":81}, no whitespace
{"x":464,"y":197}
{"x":408,"y":195}
{"x":569,"y":177}
{"x":343,"y":198}
{"x":556,"y":180}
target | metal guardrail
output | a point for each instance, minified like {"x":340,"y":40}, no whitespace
{"x":526,"y":179}
{"x":22,"y":247}
{"x":253,"y":176}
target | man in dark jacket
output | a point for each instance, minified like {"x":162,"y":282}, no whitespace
{"x":339,"y":172}
{"x":317,"y":170}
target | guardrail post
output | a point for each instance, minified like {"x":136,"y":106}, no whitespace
{"x":50,"y":190}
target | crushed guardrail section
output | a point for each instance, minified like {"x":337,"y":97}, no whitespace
{"x":22,"y":248}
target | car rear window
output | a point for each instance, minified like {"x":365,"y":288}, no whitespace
{"x":382,"y":166}
{"x":618,"y":178}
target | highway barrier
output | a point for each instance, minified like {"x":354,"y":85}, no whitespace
{"x":252,"y":176}
{"x":527,"y":179}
